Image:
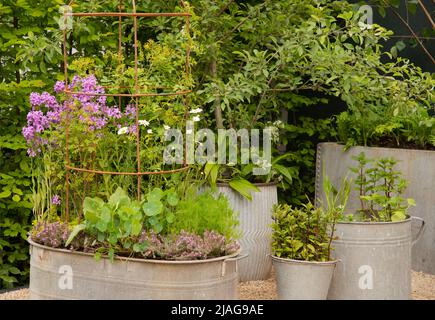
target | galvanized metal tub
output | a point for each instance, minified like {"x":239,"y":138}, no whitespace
{"x":65,"y":275}
{"x":255,"y":222}
{"x":303,"y":280}
{"x":417,"y":167}
{"x":375,"y":260}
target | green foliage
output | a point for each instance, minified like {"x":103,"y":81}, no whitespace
{"x":300,"y":233}
{"x":159,"y":208}
{"x":198,"y":213}
{"x":380,"y":188}
{"x":406,"y":127}
{"x":306,"y":233}
{"x":114,"y":223}
{"x":254,"y":60}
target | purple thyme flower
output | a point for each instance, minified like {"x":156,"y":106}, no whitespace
{"x":56,"y":200}
{"x":59,"y":86}
{"x":130,"y":111}
{"x":35,"y":99}
{"x":29,"y":133}
{"x":31,"y":153}
{"x":113,"y":112}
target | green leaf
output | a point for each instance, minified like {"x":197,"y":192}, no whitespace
{"x":93,"y":205}
{"x":400,"y":45}
{"x":398,"y":216}
{"x":101,"y":226}
{"x":77,"y":229}
{"x":16,"y":198}
{"x":152,"y":208}
{"x":172,"y":198}
{"x":211,"y":172}
{"x":106,"y":216}
{"x":139,"y":247}
{"x":411,"y":202}
{"x":120,"y":197}
{"x":97,"y":256}
{"x":136,"y":228}
{"x":5,"y":194}
{"x":155,"y":195}
{"x":284,"y":171}
{"x":8,"y":279}
{"x":170,"y":218}
{"x":111,"y":254}
{"x":243,"y":187}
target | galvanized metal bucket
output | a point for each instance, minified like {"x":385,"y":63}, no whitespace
{"x":65,"y":275}
{"x":375,"y":260}
{"x":255,"y":223}
{"x":303,"y":280}
{"x":417,"y":167}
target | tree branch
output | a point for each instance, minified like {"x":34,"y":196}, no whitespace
{"x":217,"y":103}
{"x":426,"y":12}
{"x":412,"y":32}
{"x":224,"y":8}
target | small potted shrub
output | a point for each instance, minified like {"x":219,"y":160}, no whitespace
{"x":374,"y":241}
{"x":302,"y":245}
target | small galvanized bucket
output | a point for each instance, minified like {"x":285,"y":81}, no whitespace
{"x":65,"y":275}
{"x":303,"y":280}
{"x":375,"y":260}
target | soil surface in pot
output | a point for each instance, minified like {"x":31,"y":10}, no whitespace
{"x":423,"y":288}
{"x":391,"y":143}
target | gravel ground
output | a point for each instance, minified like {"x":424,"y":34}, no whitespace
{"x":423,"y":288}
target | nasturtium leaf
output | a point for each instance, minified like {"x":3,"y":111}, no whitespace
{"x":153,"y":208}
{"x":170,"y":218}
{"x":105,"y":214}
{"x":101,"y":226}
{"x":172,"y":198}
{"x":119,"y":198}
{"x":136,"y":228}
{"x":93,"y":205}
{"x":155,"y":195}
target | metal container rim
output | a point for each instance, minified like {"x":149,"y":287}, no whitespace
{"x":374,"y":223}
{"x":381,"y":148}
{"x":317,"y":263}
{"x":259,"y":184}
{"x":125,"y":259}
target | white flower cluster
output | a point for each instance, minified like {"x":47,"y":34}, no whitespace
{"x":196,"y":111}
{"x":123,"y":130}
{"x":144,"y":123}
{"x":263,"y":164}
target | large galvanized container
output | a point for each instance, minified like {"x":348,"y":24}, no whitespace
{"x":255,"y":223}
{"x":375,"y":260}
{"x":417,"y":167}
{"x":303,"y":280}
{"x":65,"y":275}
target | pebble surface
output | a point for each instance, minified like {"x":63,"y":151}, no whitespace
{"x":423,"y":288}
